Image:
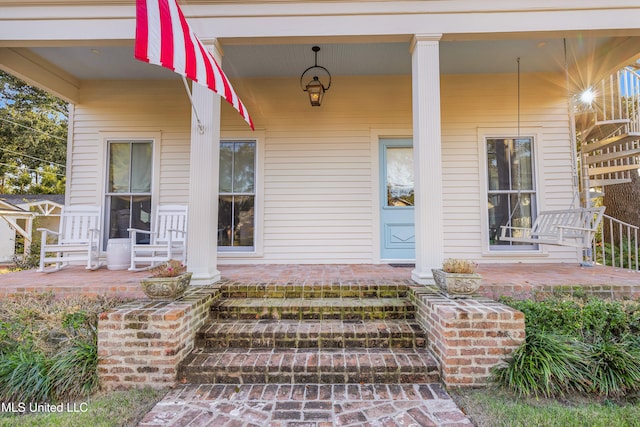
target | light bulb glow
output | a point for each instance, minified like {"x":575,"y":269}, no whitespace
{"x":587,"y":96}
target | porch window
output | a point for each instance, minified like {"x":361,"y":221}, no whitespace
{"x":128,"y":193}
{"x":511,"y":188}
{"x":236,"y":202}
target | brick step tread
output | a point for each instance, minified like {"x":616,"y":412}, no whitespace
{"x":308,"y":366}
{"x":315,"y":290}
{"x":311,"y":334}
{"x":313,"y":308}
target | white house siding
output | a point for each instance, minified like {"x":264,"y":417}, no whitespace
{"x":318,"y":171}
{"x":130,"y":109}
{"x":320,"y":167}
{"x":471,"y":103}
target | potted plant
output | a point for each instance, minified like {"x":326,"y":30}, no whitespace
{"x":168,"y":281}
{"x":457,"y":278}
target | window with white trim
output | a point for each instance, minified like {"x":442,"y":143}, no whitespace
{"x":511,"y":196}
{"x":237,"y":196}
{"x":128,"y":192}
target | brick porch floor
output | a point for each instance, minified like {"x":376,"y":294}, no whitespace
{"x":498,"y":279}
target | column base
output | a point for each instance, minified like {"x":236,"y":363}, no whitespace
{"x":205,"y":278}
{"x":422,"y":277}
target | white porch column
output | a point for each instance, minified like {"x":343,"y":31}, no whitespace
{"x":204,"y":166}
{"x":425,"y":61}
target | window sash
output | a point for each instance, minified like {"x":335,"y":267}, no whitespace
{"x":237,"y":196}
{"x":511,"y":192}
{"x":128,"y":192}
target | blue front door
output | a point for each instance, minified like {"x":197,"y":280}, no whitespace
{"x":396,"y":197}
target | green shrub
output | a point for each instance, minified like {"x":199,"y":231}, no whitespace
{"x":581,"y":344}
{"x":615,"y":366}
{"x":561,"y":315}
{"x":545,"y":364}
{"x":26,"y":262}
{"x":23,"y":376}
{"x":48,"y":346}
{"x":73,"y":372}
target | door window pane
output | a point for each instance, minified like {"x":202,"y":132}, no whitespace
{"x":236,"y":203}
{"x":400,"y":183}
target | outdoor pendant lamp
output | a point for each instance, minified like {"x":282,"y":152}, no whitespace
{"x":315,"y":88}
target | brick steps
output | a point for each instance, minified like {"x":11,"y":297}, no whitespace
{"x":313,"y":308}
{"x":309,"y":366}
{"x":311,"y":334}
{"x":315,"y":290}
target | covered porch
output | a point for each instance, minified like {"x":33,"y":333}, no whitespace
{"x":520,"y":280}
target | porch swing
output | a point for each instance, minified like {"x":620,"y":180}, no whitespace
{"x":569,"y":227}
{"x":573,"y":227}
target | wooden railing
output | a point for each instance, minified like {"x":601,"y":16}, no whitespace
{"x":616,"y":244}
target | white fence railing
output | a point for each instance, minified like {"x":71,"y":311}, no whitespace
{"x":616,"y":244}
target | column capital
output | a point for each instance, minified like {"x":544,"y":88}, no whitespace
{"x":213,"y":46}
{"x":417,"y":38}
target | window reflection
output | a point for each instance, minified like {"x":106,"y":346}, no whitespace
{"x":400,"y":181}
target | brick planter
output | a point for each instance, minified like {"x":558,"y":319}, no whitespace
{"x":141,"y":343}
{"x":468,"y":337}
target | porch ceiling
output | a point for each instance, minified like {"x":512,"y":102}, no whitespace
{"x":290,"y":59}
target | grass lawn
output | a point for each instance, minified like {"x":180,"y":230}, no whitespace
{"x":120,"y":408}
{"x":493,"y":408}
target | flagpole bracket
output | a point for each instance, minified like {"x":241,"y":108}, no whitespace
{"x":193,"y":107}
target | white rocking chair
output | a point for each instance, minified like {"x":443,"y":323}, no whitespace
{"x":167,"y":241}
{"x":76,"y":241}
{"x":570,"y":227}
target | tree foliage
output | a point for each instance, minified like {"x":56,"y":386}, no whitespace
{"x":33,"y":136}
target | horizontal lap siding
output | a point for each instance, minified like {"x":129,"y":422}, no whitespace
{"x":318,"y":165}
{"x":470,"y":102}
{"x":128,"y":107}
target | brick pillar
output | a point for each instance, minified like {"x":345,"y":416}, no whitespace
{"x":468,"y":337}
{"x":142,"y":343}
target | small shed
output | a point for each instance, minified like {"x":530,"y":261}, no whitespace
{"x":19,"y":212}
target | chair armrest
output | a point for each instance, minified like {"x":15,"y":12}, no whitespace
{"x":137,"y":230}
{"x":46,"y":230}
{"x":173,"y":230}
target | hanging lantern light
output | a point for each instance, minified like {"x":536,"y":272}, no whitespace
{"x":315,"y":88}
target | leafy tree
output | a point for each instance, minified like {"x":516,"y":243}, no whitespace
{"x":33,"y":136}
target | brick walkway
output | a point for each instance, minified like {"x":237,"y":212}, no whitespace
{"x":309,"y":405}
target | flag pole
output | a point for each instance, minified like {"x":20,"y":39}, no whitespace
{"x":186,"y":87}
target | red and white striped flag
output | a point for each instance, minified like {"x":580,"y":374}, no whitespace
{"x":163,"y":37}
